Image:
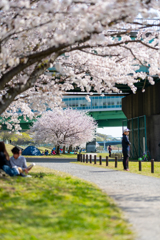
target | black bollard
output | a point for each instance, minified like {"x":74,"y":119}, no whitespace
{"x":94,"y":159}
{"x":106,"y":160}
{"x":116,"y":162}
{"x":87,"y":158}
{"x":100,"y":160}
{"x":90,"y":158}
{"x":83,"y":158}
{"x":140,"y":166}
{"x":152,"y":165}
{"x":80,"y":158}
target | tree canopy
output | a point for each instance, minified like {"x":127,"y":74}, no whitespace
{"x":64,"y":128}
{"x":89,"y":43}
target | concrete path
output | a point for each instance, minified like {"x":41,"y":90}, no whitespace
{"x":138,"y":196}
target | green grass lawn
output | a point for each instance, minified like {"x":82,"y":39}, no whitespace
{"x":67,"y":155}
{"x":133,"y":167}
{"x":9,"y":147}
{"x":42,"y":149}
{"x":58,"y":206}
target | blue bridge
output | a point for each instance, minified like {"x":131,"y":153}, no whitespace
{"x":105,"y":144}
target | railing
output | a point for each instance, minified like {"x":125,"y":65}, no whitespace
{"x":84,"y":158}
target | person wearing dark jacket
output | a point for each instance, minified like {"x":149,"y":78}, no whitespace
{"x":125,"y":148}
{"x":5,"y":163}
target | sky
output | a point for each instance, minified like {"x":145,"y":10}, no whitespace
{"x":114,"y":131}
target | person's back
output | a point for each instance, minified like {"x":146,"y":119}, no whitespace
{"x":3,"y":160}
{"x":5,"y":163}
{"x":4,"y":156}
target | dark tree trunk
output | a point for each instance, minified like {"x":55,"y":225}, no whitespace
{"x":64,"y":149}
{"x":70,"y":149}
{"x":58,"y":150}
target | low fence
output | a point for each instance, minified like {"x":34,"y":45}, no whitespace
{"x":88,"y":159}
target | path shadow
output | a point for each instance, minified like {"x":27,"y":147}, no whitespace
{"x":107,"y":171}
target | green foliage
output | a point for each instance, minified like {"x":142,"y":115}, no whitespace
{"x":58,"y":207}
{"x":19,"y":139}
{"x":24,"y":138}
{"x":101,"y":137}
{"x":5,"y":135}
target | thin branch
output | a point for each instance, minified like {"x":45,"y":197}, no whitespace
{"x":133,"y":55}
{"x":13,"y":92}
{"x":24,"y":30}
{"x":100,"y":55}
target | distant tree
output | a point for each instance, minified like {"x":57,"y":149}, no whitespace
{"x":101,"y":137}
{"x":24,"y":138}
{"x":17,"y":138}
{"x":64,"y":128}
{"x":7,"y":136}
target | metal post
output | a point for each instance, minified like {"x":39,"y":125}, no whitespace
{"x":83,"y":158}
{"x":77,"y":157}
{"x":90,"y":158}
{"x":144,"y":145}
{"x":100,"y":160}
{"x":140,"y":166}
{"x":138,"y":140}
{"x":152,"y":165}
{"x":94,"y":159}
{"x":87,"y":158}
{"x":132,"y":138}
{"x":145,"y":132}
{"x":106,"y":160}
{"x":116,"y":162}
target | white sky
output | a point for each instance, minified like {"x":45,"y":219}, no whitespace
{"x":114,"y":131}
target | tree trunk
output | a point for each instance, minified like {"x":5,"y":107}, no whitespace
{"x":64,"y":149}
{"x":58,"y":150}
{"x":70,"y":149}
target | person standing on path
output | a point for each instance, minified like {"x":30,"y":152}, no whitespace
{"x":125,"y":148}
{"x":109,"y":150}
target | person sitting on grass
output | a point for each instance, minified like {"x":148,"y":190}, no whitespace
{"x":5,"y":164}
{"x":53,"y":152}
{"x":20,"y":162}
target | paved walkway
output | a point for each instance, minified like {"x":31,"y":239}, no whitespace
{"x":138,"y":196}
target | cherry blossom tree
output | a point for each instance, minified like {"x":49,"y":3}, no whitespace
{"x":80,"y":39}
{"x":64,"y":128}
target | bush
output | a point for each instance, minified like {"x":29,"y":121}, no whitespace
{"x":119,"y":155}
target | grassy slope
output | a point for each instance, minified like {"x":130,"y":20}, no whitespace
{"x":9,"y":147}
{"x":67,"y":155}
{"x":133,"y":167}
{"x":57,"y":207}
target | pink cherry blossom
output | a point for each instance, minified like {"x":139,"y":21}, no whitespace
{"x":81,"y":40}
{"x":64,"y":128}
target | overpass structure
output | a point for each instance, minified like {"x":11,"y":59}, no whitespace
{"x":105,"y":144}
{"x":107,"y":110}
